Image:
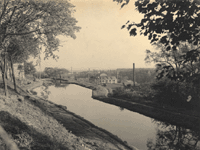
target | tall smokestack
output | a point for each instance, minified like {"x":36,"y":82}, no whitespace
{"x":133,"y":74}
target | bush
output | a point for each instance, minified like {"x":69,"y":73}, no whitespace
{"x":104,"y":84}
{"x":121,"y":92}
{"x":173,"y":93}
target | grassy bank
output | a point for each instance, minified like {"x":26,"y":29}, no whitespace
{"x":37,"y":124}
{"x":187,"y":120}
{"x":31,"y":128}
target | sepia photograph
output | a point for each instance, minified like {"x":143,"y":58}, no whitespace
{"x":100,"y":75}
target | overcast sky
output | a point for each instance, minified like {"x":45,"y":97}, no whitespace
{"x":101,"y":43}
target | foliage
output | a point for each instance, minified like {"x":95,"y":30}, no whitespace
{"x":173,"y":64}
{"x":20,"y":67}
{"x":29,"y":68}
{"x":121,"y":92}
{"x":55,"y":72}
{"x":170,"y":23}
{"x":184,"y":75}
{"x":179,"y":18}
{"x":166,"y":92}
{"x":174,"y":27}
{"x":92,"y":79}
{"x":174,"y":137}
{"x":41,"y":130}
{"x":40,"y":74}
{"x":44,"y":19}
{"x":37,"y":22}
{"x":21,"y":48}
{"x":142,"y":75}
{"x":170,"y":92}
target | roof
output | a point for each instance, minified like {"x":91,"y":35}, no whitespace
{"x":103,"y":75}
{"x":112,"y":78}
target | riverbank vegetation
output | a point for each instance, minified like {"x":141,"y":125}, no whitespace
{"x":28,"y":27}
{"x":174,"y":33}
{"x":174,"y":137}
{"x":30,"y":127}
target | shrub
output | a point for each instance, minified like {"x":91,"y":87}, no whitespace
{"x":173,"y":93}
{"x":104,"y":84}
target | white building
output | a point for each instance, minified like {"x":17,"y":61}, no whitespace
{"x":107,"y":79}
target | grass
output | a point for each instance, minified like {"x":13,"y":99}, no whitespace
{"x":31,"y":128}
{"x":114,"y":86}
{"x":38,"y":124}
{"x":144,"y":94}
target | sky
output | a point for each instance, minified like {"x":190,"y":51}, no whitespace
{"x":101,"y":43}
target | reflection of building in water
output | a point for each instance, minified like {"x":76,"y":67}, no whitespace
{"x":171,"y":137}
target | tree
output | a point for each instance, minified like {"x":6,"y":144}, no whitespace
{"x":20,"y":49}
{"x":171,"y":64}
{"x":43,"y":19}
{"x":55,"y":72}
{"x":169,"y":23}
{"x":179,"y":18}
{"x":61,"y":72}
{"x":174,"y":137}
{"x":29,"y":68}
{"x":49,"y":71}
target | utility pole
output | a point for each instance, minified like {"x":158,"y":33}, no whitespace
{"x":133,"y":74}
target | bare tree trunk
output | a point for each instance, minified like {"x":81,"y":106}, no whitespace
{"x":10,"y":74}
{"x":2,"y":72}
{"x":13,"y":74}
{"x":4,"y":77}
{"x":6,"y":71}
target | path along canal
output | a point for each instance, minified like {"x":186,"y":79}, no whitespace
{"x":138,"y":130}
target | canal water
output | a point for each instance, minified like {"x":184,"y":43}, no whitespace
{"x":136,"y":129}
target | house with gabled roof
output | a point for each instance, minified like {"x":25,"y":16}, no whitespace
{"x":107,"y":79}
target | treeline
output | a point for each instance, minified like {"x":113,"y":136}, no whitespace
{"x":142,"y":75}
{"x":174,"y":33}
{"x":29,"y":26}
{"x":53,"y":72}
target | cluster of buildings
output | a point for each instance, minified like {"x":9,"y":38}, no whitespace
{"x":103,"y":78}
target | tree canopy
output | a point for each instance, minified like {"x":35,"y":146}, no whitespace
{"x":28,"y":25}
{"x":29,"y":68}
{"x":179,"y":19}
{"x":44,"y":19}
{"x":170,"y":24}
{"x":55,"y":72}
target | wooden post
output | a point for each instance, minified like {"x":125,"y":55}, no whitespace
{"x":133,"y":74}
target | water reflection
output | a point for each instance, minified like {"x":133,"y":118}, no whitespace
{"x":129,"y":126}
{"x":171,"y":137}
{"x":60,"y":85}
{"x":44,"y":91}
